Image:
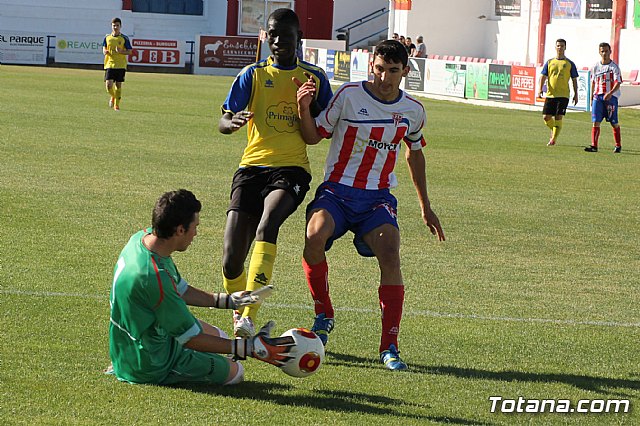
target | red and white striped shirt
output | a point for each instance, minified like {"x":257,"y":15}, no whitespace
{"x":604,"y":76}
{"x":366,"y":134}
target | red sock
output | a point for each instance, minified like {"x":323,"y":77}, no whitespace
{"x":616,"y":135}
{"x":391,"y":302}
{"x":318,"y":282}
{"x":595,"y":135}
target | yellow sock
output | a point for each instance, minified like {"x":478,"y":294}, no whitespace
{"x":550,"y":123}
{"x":110,"y":90}
{"x":556,"y":129}
{"x":237,"y":284}
{"x":118,"y":95}
{"x":260,"y":271}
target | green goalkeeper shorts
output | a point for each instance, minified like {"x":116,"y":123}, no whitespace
{"x":193,"y":366}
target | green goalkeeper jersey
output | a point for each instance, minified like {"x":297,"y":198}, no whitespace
{"x":149,"y":319}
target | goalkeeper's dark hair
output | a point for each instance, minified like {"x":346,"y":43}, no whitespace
{"x":118,"y":20}
{"x":392,"y":51}
{"x":285,"y":16}
{"x":174,"y":208}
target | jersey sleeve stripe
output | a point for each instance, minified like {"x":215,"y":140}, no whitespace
{"x":317,"y":71}
{"x":335,"y":97}
{"x":323,"y":132}
{"x":160,"y":289}
{"x":182,"y":286}
{"x":417,"y":144}
{"x":193,"y":331}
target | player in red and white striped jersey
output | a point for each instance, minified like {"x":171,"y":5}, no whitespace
{"x":605,"y":86}
{"x":367,"y":135}
{"x":367,"y":122}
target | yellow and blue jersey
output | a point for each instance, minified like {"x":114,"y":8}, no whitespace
{"x":559,"y":72}
{"x":115,"y":59}
{"x":266,"y":89}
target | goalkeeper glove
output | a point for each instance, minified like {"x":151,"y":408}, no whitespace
{"x":273,"y":350}
{"x":241,"y":299}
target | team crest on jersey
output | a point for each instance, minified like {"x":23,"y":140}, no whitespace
{"x":397,"y":118}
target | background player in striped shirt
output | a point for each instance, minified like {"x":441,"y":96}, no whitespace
{"x":115,"y":47}
{"x":153,"y":336}
{"x":367,"y":123}
{"x":556,"y":73}
{"x":274,"y":173}
{"x":606,"y":79}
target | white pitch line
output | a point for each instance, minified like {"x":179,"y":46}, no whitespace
{"x":423,"y":313}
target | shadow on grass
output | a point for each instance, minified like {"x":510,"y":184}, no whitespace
{"x":336,"y":401}
{"x":603,"y":385}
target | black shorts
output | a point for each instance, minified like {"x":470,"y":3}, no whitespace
{"x":251,"y":185}
{"x":115,"y":74}
{"x":555,"y":106}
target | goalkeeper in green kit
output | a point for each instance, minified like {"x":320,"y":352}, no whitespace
{"x":153,"y":336}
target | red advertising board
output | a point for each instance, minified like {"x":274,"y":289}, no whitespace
{"x":523,"y":84}
{"x":166,"y":53}
{"x":227,"y":51}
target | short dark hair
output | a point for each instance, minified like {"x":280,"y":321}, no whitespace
{"x":285,"y":16}
{"x":604,"y":44}
{"x":174,"y":208}
{"x":561,"y":40}
{"x":118,"y":20}
{"x":392,"y":51}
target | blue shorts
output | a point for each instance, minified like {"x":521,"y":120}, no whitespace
{"x":607,"y":110}
{"x":357,"y":210}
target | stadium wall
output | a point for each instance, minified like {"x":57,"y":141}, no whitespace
{"x":472,"y":29}
{"x":94,"y":17}
{"x":449,"y":28}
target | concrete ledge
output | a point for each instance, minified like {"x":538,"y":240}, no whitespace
{"x":629,"y":95}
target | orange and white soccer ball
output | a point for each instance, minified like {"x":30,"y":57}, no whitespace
{"x":307,"y":355}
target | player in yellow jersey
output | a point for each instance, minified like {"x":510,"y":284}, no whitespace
{"x":115,"y":47}
{"x":556,"y":73}
{"x":273,"y":177}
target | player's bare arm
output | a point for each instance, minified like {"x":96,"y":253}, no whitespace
{"x":543,"y":79}
{"x":272,"y":350}
{"x":304,"y":97}
{"x":613,"y":90}
{"x":238,"y":300}
{"x":310,"y":86}
{"x":230,"y":123}
{"x":204,"y":342}
{"x":123,"y":51}
{"x":417,"y":169}
{"x":575,"y":91}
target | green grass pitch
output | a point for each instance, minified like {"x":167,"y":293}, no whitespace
{"x":534,"y":294}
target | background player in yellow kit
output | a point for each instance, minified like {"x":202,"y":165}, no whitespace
{"x":556,"y":73}
{"x":115,"y":47}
